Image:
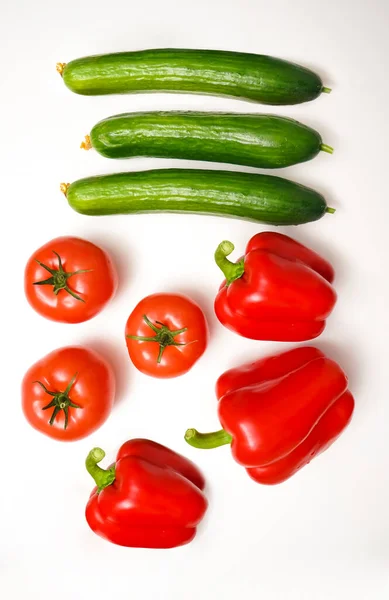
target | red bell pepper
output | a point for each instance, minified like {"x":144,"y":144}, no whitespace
{"x":280,"y":412}
{"x":280,"y":290}
{"x":151,"y":497}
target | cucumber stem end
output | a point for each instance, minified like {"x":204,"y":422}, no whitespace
{"x":60,"y":68}
{"x":64,"y":188}
{"x":330,"y":210}
{"x":326,"y":90}
{"x":86,"y":144}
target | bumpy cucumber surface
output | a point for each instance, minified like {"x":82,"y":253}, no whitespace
{"x":254,"y":77}
{"x":263,"y":141}
{"x":261,"y":198}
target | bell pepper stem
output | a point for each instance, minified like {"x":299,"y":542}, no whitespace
{"x":102,"y":477}
{"x":231,"y":271}
{"x":206,"y":441}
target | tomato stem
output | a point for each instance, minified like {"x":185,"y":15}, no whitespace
{"x":163,"y":336}
{"x":59,"y":277}
{"x":230,"y":270}
{"x":103,"y":477}
{"x":60,"y":401}
{"x":206,"y":441}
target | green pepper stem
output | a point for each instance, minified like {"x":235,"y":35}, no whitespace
{"x":206,"y":441}
{"x":231,"y":271}
{"x":326,"y":90}
{"x":102,"y":477}
{"x":326,"y":148}
{"x":330,"y":210}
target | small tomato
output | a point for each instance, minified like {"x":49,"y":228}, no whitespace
{"x":68,"y":393}
{"x":69,"y":280}
{"x":166,"y":334}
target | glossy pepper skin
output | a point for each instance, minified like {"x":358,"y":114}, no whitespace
{"x":280,"y":290}
{"x":280,"y":412}
{"x":151,"y":497}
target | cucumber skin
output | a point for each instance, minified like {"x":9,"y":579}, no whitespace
{"x":263,"y":141}
{"x":254,"y":77}
{"x":260,"y":198}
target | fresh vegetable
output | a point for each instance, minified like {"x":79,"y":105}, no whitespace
{"x":69,"y":393}
{"x":151,"y":497}
{"x":69,"y":280}
{"x":280,"y":290}
{"x":262,"y":198}
{"x":265,"y":141}
{"x":280,"y":412}
{"x":253,"y":77}
{"x":166,"y":334}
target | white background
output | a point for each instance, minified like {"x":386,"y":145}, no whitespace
{"x":325,"y":533}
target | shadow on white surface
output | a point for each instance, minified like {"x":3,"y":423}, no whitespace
{"x":116,"y":355}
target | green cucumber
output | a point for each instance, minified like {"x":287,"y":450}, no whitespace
{"x":263,"y":141}
{"x":253,"y":77}
{"x":261,"y":198}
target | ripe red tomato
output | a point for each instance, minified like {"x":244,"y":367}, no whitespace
{"x":68,"y":393}
{"x":166,"y":334}
{"x":69,"y":280}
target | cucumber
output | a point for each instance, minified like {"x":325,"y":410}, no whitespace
{"x":261,"y":198}
{"x":253,"y":77}
{"x":264,"y":141}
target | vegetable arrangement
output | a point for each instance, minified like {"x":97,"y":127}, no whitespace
{"x":277,"y":413}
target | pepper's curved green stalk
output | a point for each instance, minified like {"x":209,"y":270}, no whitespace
{"x":206,"y":441}
{"x":163,"y":336}
{"x":59,"y":278}
{"x":60,"y":401}
{"x":103,"y":477}
{"x":231,"y":271}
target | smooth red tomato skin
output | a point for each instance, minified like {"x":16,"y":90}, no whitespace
{"x":93,"y":390}
{"x":95,"y":287}
{"x":176,"y":311}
